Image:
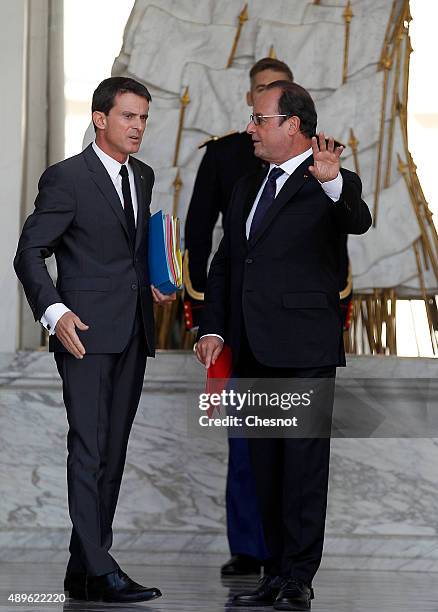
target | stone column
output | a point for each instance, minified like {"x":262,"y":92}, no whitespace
{"x":13,"y":48}
{"x":44,"y":135}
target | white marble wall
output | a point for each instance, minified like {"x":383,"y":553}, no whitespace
{"x":383,"y":499}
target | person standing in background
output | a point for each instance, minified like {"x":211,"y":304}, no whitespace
{"x":226,"y":160}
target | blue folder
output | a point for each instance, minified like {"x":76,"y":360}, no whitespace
{"x":159,"y":270}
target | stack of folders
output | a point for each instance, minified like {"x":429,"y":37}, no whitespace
{"x":165,"y":259}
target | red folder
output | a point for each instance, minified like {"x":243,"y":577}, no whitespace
{"x":218,"y":375}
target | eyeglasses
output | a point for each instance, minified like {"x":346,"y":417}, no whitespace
{"x":259,"y":119}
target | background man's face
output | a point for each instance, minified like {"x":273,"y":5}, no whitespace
{"x":123,"y":128}
{"x":259,"y":82}
{"x":272,"y":139}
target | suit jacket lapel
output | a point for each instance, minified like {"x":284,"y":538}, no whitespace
{"x":140,"y":188}
{"x":102,"y":179}
{"x":255,"y":182}
{"x":287,"y":192}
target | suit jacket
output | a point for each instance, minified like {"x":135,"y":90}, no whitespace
{"x":283,"y":284}
{"x":226,"y":160}
{"x":101,"y":277}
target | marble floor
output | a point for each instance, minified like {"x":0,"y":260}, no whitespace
{"x":197,"y":588}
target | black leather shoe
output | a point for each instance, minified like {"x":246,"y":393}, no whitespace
{"x":74,"y":585}
{"x":264,"y":595}
{"x":241,"y":565}
{"x":118,"y":587}
{"x":294,"y":595}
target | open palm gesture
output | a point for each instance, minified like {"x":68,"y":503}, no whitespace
{"x":326,"y":162}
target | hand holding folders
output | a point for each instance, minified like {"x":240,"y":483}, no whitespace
{"x":165,"y":259}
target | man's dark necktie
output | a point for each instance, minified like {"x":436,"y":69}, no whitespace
{"x":266,"y":199}
{"x":127,"y":203}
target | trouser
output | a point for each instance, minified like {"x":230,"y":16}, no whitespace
{"x":244,"y":522}
{"x":101,"y":394}
{"x":291,"y":476}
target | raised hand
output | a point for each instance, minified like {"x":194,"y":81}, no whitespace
{"x":326,"y":162}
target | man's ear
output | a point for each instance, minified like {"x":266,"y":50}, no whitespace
{"x":249,"y":99}
{"x":99,"y":119}
{"x":294,"y":125}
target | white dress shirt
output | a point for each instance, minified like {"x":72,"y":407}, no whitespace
{"x":55,"y":311}
{"x":113,"y":168}
{"x":332,"y":189}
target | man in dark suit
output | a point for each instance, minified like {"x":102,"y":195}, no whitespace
{"x":92,"y":212}
{"x":273,"y":296}
{"x":226,"y":160}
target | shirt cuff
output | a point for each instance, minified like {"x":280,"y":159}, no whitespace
{"x":333,"y":188}
{"x":215,"y":335}
{"x":52,"y":315}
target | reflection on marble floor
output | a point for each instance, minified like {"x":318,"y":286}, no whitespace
{"x":199,"y":589}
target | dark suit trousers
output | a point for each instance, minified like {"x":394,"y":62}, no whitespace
{"x":101,"y":394}
{"x":291,"y":480}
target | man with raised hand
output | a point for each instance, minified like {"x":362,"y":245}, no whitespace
{"x":273,"y":296}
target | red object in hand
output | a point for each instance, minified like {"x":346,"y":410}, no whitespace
{"x":218,"y":375}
